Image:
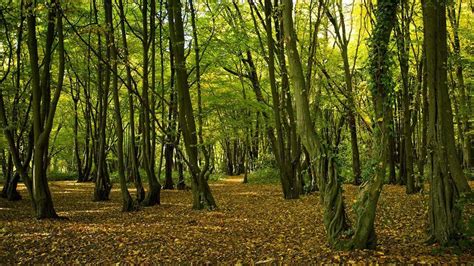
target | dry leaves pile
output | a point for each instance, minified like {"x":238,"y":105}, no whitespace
{"x":253,"y":224}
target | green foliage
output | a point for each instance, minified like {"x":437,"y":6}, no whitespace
{"x":265,"y":160}
{"x":465,"y":201}
{"x":265,"y":175}
{"x":60,"y":176}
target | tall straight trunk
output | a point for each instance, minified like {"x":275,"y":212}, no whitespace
{"x":87,"y":113}
{"x":162,"y":86}
{"x":424,"y":118}
{"x":197,"y":70}
{"x":134,"y":171}
{"x":202,"y":196}
{"x":447,"y":180}
{"x":86,"y":161}
{"x":392,"y":149}
{"x":102,"y":179}
{"x":112,"y":58}
{"x":403,"y":40}
{"x":170,"y":134}
{"x":351,"y":121}
{"x":153,"y":84}
{"x":153,"y":196}
{"x":75,"y":99}
{"x":288,"y":152}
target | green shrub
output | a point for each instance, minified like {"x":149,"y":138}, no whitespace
{"x":59,"y":176}
{"x":266,"y":175}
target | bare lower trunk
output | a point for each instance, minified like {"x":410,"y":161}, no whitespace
{"x":355,"y":149}
{"x":169,"y":184}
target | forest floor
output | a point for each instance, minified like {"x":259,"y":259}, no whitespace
{"x":253,"y":224}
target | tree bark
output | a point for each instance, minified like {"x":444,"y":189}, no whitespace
{"x":202,"y":196}
{"x":153,"y":196}
{"x":112,"y":58}
{"x":335,"y":219}
{"x":102,"y":179}
{"x":134,"y":171}
{"x":447,"y":180}
{"x":44,"y":107}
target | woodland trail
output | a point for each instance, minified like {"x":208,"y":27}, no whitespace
{"x":252,"y":224}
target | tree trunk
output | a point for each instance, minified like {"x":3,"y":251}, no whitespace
{"x":112,"y":58}
{"x":134,"y":171}
{"x":392,"y":149}
{"x":102,"y":179}
{"x":202,"y":196}
{"x":169,"y":150}
{"x":75,"y":98}
{"x":44,"y":107}
{"x":179,"y":161}
{"x":446,"y":177}
{"x":403,"y":40}
{"x":153,"y":196}
{"x":335,"y":219}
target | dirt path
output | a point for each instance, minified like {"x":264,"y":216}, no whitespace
{"x":252,"y":224}
{"x":232,"y":180}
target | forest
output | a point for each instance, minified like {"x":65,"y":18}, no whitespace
{"x":236,"y":131}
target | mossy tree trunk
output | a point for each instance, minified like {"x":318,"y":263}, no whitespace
{"x":335,"y":218}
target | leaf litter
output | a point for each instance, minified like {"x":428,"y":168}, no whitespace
{"x":253,"y":225}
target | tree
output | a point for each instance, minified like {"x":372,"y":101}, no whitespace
{"x":402,"y":32}
{"x":447,"y":180}
{"x":44,"y":108}
{"x":202,"y":196}
{"x":335,"y":219}
{"x":102,"y":179}
{"x":16,"y":137}
{"x":112,"y":59}
{"x":134,"y":167}
{"x":153,"y":196}
{"x":342,"y":41}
